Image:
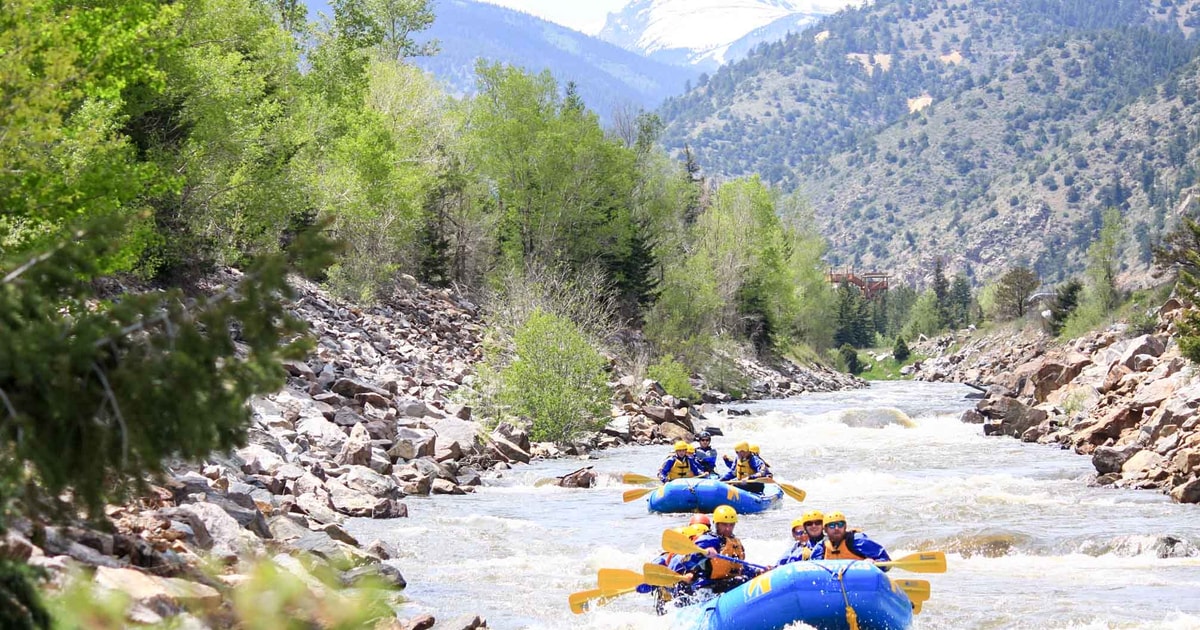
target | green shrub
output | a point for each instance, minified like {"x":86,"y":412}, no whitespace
{"x":674,"y":378}
{"x":850,"y":358}
{"x":900,"y":349}
{"x":556,"y":379}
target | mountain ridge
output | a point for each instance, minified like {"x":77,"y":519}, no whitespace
{"x":932,"y":126}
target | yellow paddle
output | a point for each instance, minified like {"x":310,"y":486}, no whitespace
{"x":637,"y":493}
{"x":920,"y":562}
{"x":916,"y":608}
{"x":660,"y":573}
{"x":619,"y":579}
{"x":917,"y":590}
{"x":636,"y":478}
{"x":676,"y":542}
{"x":582,"y":600}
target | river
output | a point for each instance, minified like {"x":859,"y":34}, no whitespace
{"x":1029,"y":543}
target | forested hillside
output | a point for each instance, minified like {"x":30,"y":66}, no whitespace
{"x":989,"y":133}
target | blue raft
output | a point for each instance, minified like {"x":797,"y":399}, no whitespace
{"x":808,"y":592}
{"x":706,"y":495}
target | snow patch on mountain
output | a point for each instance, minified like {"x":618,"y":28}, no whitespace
{"x":701,"y":32}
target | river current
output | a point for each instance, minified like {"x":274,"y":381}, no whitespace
{"x":1029,"y":543}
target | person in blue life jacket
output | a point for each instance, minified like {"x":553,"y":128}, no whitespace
{"x":807,"y":533}
{"x":706,"y":455}
{"x":706,"y":569}
{"x":679,"y":466}
{"x":747,"y":467}
{"x":843,"y":544}
{"x":699,"y":525}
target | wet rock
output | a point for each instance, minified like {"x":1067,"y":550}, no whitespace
{"x":389,"y":508}
{"x":382,"y":574}
{"x":464,"y":622}
{"x":441,"y":486}
{"x":1109,"y":459}
{"x":972,"y":416}
{"x":582,"y":478}
{"x":1188,"y":492}
{"x":381,"y":550}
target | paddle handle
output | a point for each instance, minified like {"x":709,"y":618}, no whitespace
{"x":742,"y":562}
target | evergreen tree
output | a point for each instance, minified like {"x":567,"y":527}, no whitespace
{"x":960,"y":302}
{"x":941,"y":293}
{"x":1066,"y":299}
{"x":900,"y":349}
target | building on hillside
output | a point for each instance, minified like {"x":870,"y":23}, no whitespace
{"x":872,"y":283}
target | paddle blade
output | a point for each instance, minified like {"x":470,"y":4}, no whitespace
{"x":634,"y":495}
{"x":916,"y":608}
{"x":920,"y":562}
{"x":676,"y":542}
{"x":658,"y":575}
{"x":917,"y":590}
{"x":793,"y":491}
{"x":636,"y":478}
{"x":619,"y":579}
{"x":579,"y":601}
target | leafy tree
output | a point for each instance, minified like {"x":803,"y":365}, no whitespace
{"x":556,"y":380}
{"x":674,"y":378}
{"x":1103,"y":261}
{"x":923,"y":317}
{"x":1013,"y":291}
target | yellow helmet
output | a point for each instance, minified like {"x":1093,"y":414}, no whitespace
{"x":691,"y":448}
{"x":799,"y":522}
{"x":681,"y":445}
{"x":724,"y":514}
{"x":754,"y":449}
{"x":835,"y":516}
{"x":693,"y":531}
{"x":812,"y":515}
{"x":741,"y":446}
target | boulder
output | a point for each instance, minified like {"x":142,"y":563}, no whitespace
{"x":229,"y":539}
{"x":1011,"y":417}
{"x":258,"y":460}
{"x":156,"y":591}
{"x":501,"y":448}
{"x":455,"y":438}
{"x":321,"y":432}
{"x":518,"y":436}
{"x":972,"y":416}
{"x":368,"y":481}
{"x":349,"y":501}
{"x":1187,"y":492}
{"x":374,"y":574}
{"x":413,"y":443}
{"x":1108,"y":427}
{"x":441,"y":486}
{"x":318,"y":508}
{"x":582,"y":478}
{"x":357,"y":448}
{"x":350,"y":387}
{"x":1142,"y":461}
{"x":1146,"y":344}
{"x":1110,"y":459}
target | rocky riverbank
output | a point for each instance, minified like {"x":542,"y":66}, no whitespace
{"x":1126,"y":398}
{"x":369,"y":418}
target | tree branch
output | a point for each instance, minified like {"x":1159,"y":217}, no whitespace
{"x":116,"y":407}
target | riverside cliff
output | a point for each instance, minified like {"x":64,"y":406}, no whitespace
{"x":1126,"y":398}
{"x":372,"y":416}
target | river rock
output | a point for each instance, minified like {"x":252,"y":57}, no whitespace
{"x":582,"y":478}
{"x":375,"y":574}
{"x":1142,"y":461}
{"x":229,"y":539}
{"x":357,"y":448}
{"x":1188,"y":492}
{"x":365,"y":480}
{"x":143,"y":588}
{"x":504,"y":450}
{"x":318,"y":508}
{"x":455,"y":438}
{"x":349,"y":501}
{"x":1109,"y":459}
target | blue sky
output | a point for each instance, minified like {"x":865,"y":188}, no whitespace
{"x":581,"y":15}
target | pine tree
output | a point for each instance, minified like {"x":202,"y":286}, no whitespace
{"x":941,"y":292}
{"x":1066,"y":299}
{"x":960,"y":302}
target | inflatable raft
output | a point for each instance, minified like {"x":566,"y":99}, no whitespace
{"x":808,"y":592}
{"x":706,"y":495}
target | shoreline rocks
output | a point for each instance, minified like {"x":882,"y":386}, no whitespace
{"x":1127,"y":400}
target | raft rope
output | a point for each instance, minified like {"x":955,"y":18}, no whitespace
{"x":851,"y":616}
